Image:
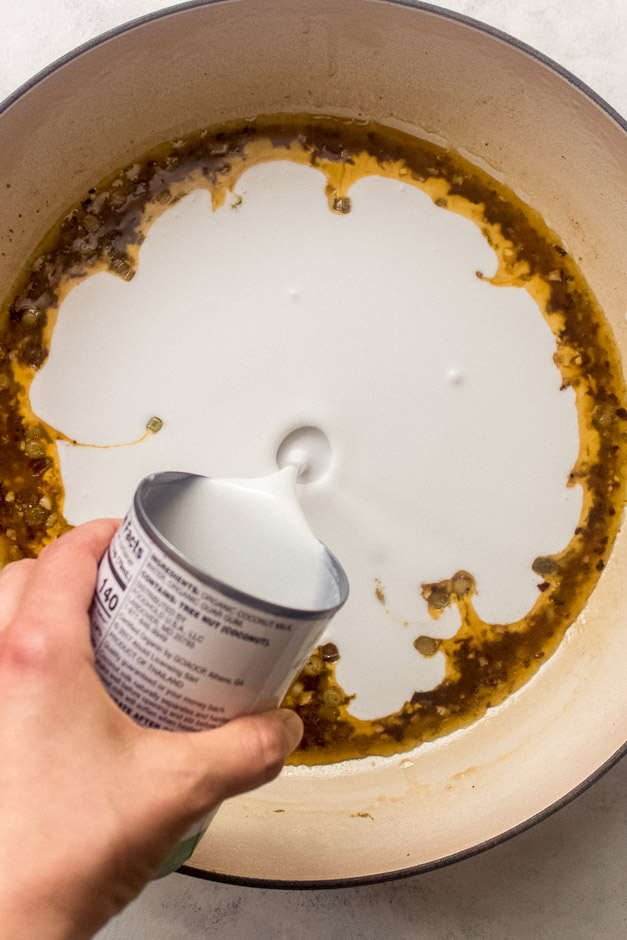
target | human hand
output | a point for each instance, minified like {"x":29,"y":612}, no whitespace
{"x":90,"y":802}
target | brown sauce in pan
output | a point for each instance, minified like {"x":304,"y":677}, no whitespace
{"x":484,"y":662}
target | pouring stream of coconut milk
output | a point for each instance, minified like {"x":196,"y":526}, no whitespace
{"x":252,"y":535}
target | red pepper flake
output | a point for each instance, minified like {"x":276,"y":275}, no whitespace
{"x":544,"y":586}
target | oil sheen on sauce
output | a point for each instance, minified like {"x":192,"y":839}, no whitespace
{"x":442,"y":630}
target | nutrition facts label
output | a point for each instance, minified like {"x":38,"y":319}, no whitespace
{"x":176,"y":653}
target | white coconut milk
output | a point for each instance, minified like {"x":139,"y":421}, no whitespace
{"x":450,"y":439}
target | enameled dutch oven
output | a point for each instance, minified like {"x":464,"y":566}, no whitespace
{"x":532,"y":125}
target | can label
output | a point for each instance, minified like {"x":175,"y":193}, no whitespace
{"x":177,"y":653}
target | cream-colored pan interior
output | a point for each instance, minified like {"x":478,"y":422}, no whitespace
{"x":410,"y":67}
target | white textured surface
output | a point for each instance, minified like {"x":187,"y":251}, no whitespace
{"x":564,"y":878}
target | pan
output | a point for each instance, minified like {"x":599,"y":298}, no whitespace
{"x":507,"y":111}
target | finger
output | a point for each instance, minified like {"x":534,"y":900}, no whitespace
{"x":241,"y":755}
{"x":64,"y":577}
{"x":13,"y":581}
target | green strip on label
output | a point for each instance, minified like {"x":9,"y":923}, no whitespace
{"x":178,"y":855}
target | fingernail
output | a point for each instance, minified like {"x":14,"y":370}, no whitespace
{"x":293,"y":726}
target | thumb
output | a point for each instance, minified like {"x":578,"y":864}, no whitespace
{"x":243,"y":754}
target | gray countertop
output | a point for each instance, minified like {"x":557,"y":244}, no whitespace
{"x":565,"y":878}
{"x":562,"y":880}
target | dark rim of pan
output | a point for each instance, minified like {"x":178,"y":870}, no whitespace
{"x":622,"y":751}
